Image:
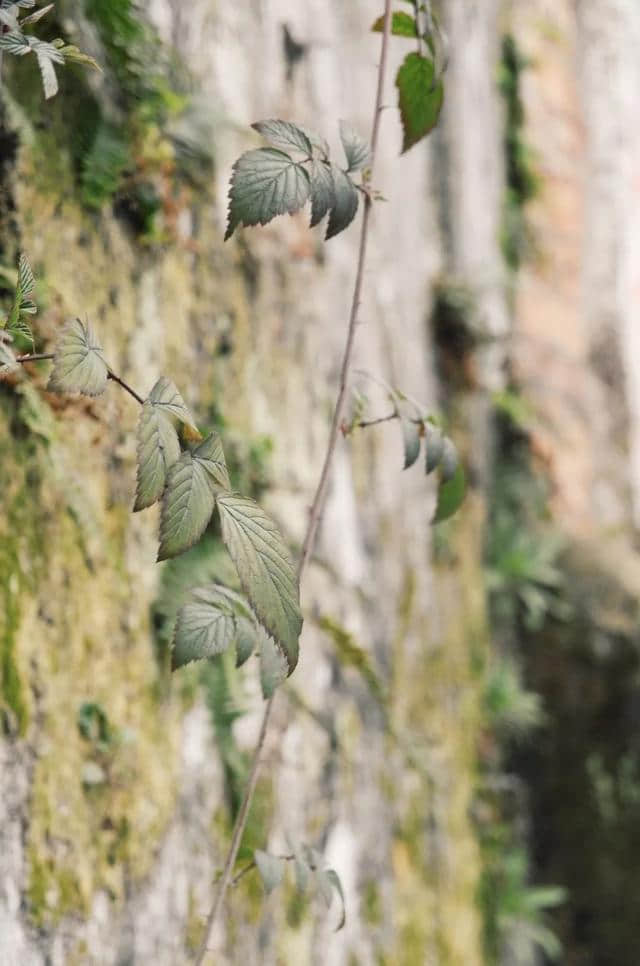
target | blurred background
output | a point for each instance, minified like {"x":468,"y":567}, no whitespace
{"x":460,"y":739}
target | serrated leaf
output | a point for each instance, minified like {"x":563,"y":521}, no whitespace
{"x":45,"y":49}
{"x":20,"y":325}
{"x":38,"y":15}
{"x":271,"y":869}
{"x":205,"y":627}
{"x":434,"y":447}
{"x":450,"y":496}
{"x":356,"y":149}
{"x":420,"y":98}
{"x":47,"y":72}
{"x":318,"y":143}
{"x":402,"y":25}
{"x":334,"y":879}
{"x":273,"y":667}
{"x":14,"y":43}
{"x":449,"y":461}
{"x":158,"y":449}
{"x":265,"y":570}
{"x":284,"y":135}
{"x":29,"y":307}
{"x":211,"y":456}
{"x":265,"y":183}
{"x":187,"y":506}
{"x":78,"y":364}
{"x":323,"y":195}
{"x":26,"y":281}
{"x":166,"y":395}
{"x":345,"y":206}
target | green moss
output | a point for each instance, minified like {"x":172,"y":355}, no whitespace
{"x":371,"y":905}
{"x":522,"y":180}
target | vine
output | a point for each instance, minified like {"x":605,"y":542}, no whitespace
{"x":185,"y":471}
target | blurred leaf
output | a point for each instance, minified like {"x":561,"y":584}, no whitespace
{"x":271,"y":869}
{"x":420,"y":98}
{"x":273,"y":667}
{"x":434,"y":446}
{"x":334,"y":880}
{"x":450,"y":496}
{"x":402,"y":25}
{"x":205,"y":627}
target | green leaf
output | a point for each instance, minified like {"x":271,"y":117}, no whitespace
{"x":158,"y":450}
{"x":449,"y":461}
{"x":402,"y":25}
{"x":345,"y":206}
{"x":210,"y":455}
{"x":334,"y":880}
{"x":318,"y":143}
{"x":420,"y":98}
{"x":26,"y":280}
{"x":356,"y":149}
{"x":245,"y":640}
{"x":273,"y":667}
{"x":205,"y":627}
{"x":408,"y":414}
{"x":265,"y":183}
{"x":78,"y":364}
{"x":450,"y":496}
{"x":16,"y":323}
{"x":284,"y":135}
{"x":166,"y":396}
{"x":434,"y":447}
{"x":323,"y":194}
{"x":187,"y":506}
{"x":74,"y":55}
{"x":271,"y":869}
{"x":265,"y":570}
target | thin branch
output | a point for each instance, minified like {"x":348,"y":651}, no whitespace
{"x":36,"y":357}
{"x":321,"y":491}
{"x":126,"y":387}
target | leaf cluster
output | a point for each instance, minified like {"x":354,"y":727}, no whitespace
{"x":17,"y":321}
{"x":294,"y":169}
{"x":440,"y":452}
{"x":188,"y":476}
{"x":15,"y":41}
{"x":309,"y":873}
{"x":419,"y":77}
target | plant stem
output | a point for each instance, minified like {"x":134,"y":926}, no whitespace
{"x":319,"y":499}
{"x":35,"y":357}
{"x":126,"y":387}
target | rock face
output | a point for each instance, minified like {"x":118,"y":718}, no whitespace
{"x":118,"y":786}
